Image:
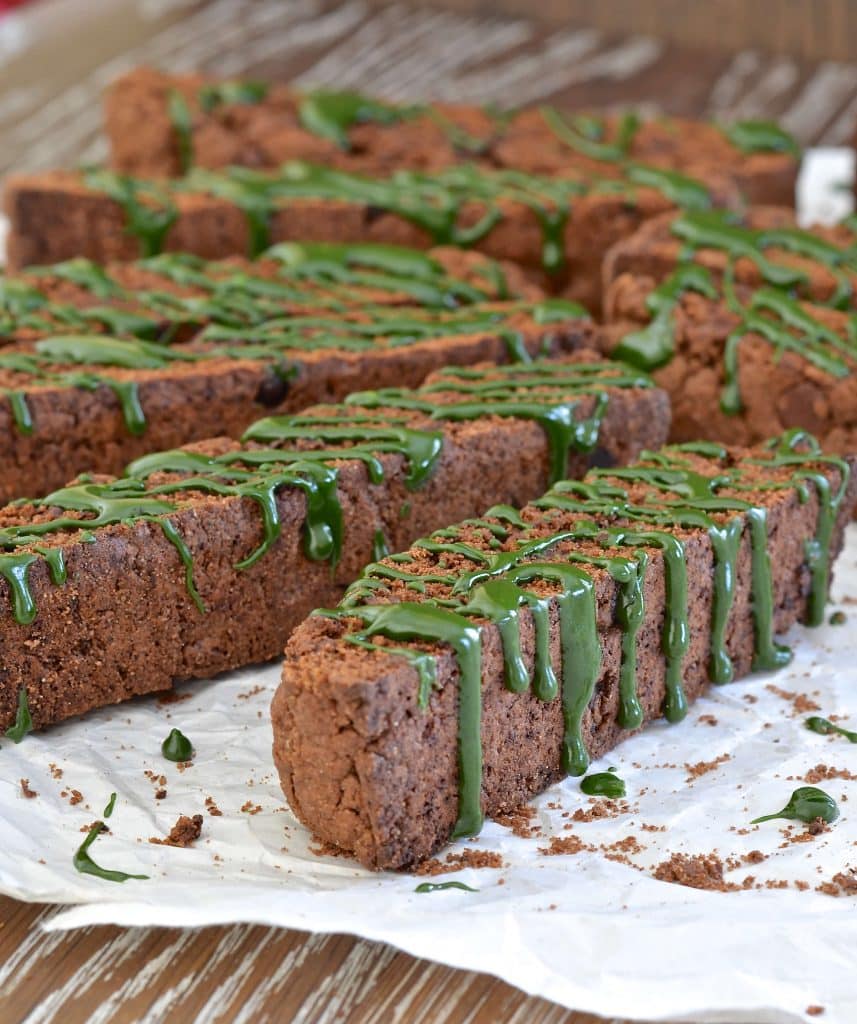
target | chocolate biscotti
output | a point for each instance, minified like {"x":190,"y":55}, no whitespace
{"x":740,"y":362}
{"x":557,"y":228}
{"x":202,"y":559}
{"x":163,"y":125}
{"x":458,"y":679}
{"x":100,"y":365}
{"x":760,"y":246}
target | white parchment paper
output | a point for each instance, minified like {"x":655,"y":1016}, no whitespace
{"x":586,"y":931}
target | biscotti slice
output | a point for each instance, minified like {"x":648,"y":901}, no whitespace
{"x":168,"y":298}
{"x":202,"y":559}
{"x":498,"y":655}
{"x":557,"y":228}
{"x":740,"y":363}
{"x":162,"y":125}
{"x":74,"y":402}
{"x":762,"y":246}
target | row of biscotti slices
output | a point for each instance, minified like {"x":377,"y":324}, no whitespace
{"x":558,"y":229}
{"x":459,"y":678}
{"x":99,"y":365}
{"x":163,"y":125}
{"x":203,"y":558}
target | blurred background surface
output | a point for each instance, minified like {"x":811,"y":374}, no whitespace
{"x":793,"y":60}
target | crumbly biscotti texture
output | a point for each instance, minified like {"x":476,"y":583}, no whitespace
{"x":762,"y":246}
{"x":557,"y":230}
{"x":738,"y":369}
{"x":386,"y":776}
{"x":307,"y":499}
{"x":160,"y":124}
{"x":264,"y":339}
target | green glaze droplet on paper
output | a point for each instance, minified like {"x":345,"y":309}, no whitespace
{"x":177,"y":747}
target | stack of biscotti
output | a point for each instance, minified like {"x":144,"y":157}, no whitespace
{"x":201,"y":559}
{"x":747,"y":324}
{"x":163,"y":125}
{"x":462,"y":677}
{"x":101,"y":364}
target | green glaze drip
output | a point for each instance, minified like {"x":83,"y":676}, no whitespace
{"x":442,"y":886}
{"x":824,"y":727}
{"x":725,"y":541}
{"x":805,"y":804}
{"x":179,"y":114}
{"x":111,"y":803}
{"x":407,"y":621}
{"x":380,"y":548}
{"x":149,"y":211}
{"x":653,"y":346}
{"x":760,"y":137}
{"x":177,"y":747}
{"x":178,"y":542}
{"x":84,"y":863}
{"x":604,"y":784}
{"x":630,"y":612}
{"x":331,"y":115}
{"x":240,"y":93}
{"x":586,"y":134}
{"x":768,"y":654}
{"x":683,"y":191}
{"x":23,"y":719}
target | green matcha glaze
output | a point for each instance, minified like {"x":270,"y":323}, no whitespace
{"x":824,"y":727}
{"x":424,"y":887}
{"x":806,"y":804}
{"x":433,"y":202}
{"x":177,"y":747}
{"x":23,"y":719}
{"x":604,"y":784}
{"x":84,"y":863}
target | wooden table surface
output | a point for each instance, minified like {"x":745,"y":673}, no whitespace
{"x":55,"y":58}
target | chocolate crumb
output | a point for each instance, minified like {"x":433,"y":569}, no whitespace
{"x":468,"y":858}
{"x":565,"y":845}
{"x":160,"y":794}
{"x":800,"y":702}
{"x":212,"y":807}
{"x":814,"y":1011}
{"x":30,"y":794}
{"x":520,"y":822}
{"x":825,"y":772}
{"x":250,"y":808}
{"x":843,"y":883}
{"x":700,"y":871}
{"x":184,"y":833}
{"x":694,"y":771}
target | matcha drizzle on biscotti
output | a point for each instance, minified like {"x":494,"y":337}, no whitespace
{"x":49,"y":360}
{"x":769,"y":313}
{"x":625,"y":513}
{"x":434,"y":202}
{"x":302,"y":452}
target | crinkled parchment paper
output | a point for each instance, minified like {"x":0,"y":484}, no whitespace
{"x":589,"y":932}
